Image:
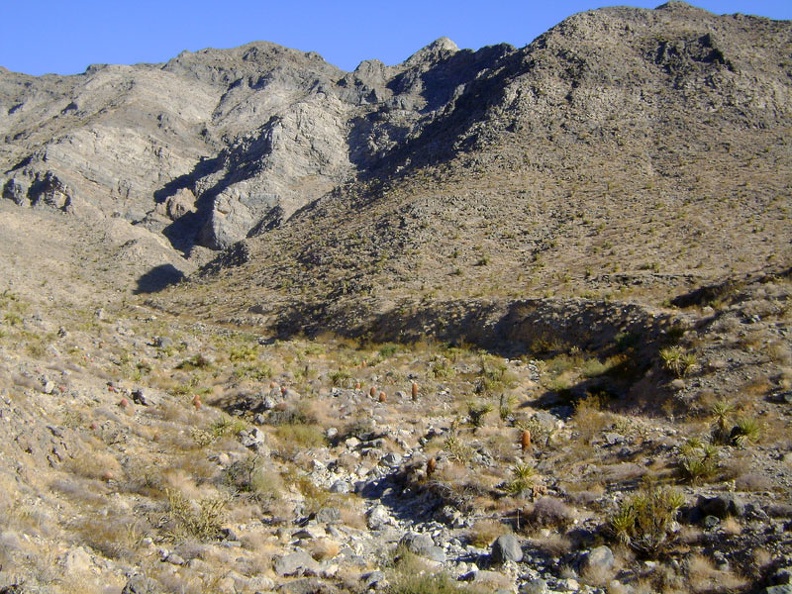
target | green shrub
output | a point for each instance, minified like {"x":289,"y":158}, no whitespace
{"x":198,"y":361}
{"x":411,"y":575}
{"x":677,"y":361}
{"x":524,"y":475}
{"x":342,"y":378}
{"x":748,"y":429}
{"x":477,"y":412}
{"x":644,"y":521}
{"x":721,"y":430}
{"x":698,"y":461}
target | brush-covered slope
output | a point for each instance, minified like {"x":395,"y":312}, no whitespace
{"x":625,"y":154}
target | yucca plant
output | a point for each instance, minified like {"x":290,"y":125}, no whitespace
{"x":677,"y":361}
{"x":644,"y":521}
{"x":747,"y":430}
{"x":722,"y":412}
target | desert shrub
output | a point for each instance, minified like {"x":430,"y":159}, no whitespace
{"x":506,"y":407}
{"x":721,"y":425}
{"x":677,"y":361}
{"x":441,"y":367}
{"x":342,"y":378}
{"x":698,"y":461}
{"x":644,"y":521}
{"x":494,"y":376}
{"x":457,"y":449}
{"x":198,"y":361}
{"x":249,"y":475}
{"x":388,"y":349}
{"x":704,"y":577}
{"x":411,"y":575}
{"x":476,"y":413}
{"x":551,"y":512}
{"x":747,"y":430}
{"x":114,"y":536}
{"x":258,"y":372}
{"x":523,"y":477}
{"x":301,"y":436}
{"x":247,"y":353}
{"x":200,"y":519}
{"x":590,"y":420}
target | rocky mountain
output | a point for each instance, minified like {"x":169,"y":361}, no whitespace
{"x":512,"y":319}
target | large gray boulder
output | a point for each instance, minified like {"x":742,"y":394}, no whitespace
{"x":506,"y":548}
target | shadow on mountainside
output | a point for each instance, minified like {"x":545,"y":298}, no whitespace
{"x":158,"y":279}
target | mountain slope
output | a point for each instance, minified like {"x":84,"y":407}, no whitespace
{"x":626,"y":154}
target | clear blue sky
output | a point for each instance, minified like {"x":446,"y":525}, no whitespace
{"x":65,"y":36}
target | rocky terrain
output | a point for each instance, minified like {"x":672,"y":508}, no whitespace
{"x":508,"y":320}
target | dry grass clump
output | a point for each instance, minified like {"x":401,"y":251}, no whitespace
{"x":323,"y":549}
{"x":590,"y":421}
{"x":115,"y":535}
{"x":554,"y":544}
{"x":92,"y":461}
{"x":484,"y":532}
{"x":704,"y":577}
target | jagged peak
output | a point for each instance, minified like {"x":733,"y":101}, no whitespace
{"x":437,"y":50}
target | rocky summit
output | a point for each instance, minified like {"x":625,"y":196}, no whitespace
{"x":496,"y":320}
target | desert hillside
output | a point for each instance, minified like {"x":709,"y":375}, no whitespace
{"x":506,"y":319}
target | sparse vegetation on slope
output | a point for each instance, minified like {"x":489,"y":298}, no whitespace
{"x":532,"y":335}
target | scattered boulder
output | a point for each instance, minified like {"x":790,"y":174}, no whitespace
{"x":423,"y":545}
{"x":506,"y":548}
{"x":298,"y":563}
{"x":378,"y":518}
{"x":140,"y":584}
{"x":599,"y":559}
{"x":721,"y":506}
{"x":252,"y":438}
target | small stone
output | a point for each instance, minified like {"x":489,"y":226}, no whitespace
{"x":710,"y":522}
{"x":340,"y":487}
{"x":175,"y":559}
{"x":781,"y":589}
{"x":378,"y":518}
{"x":139,"y":584}
{"x":391,"y":460}
{"x":535,"y":586}
{"x":374,"y":579}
